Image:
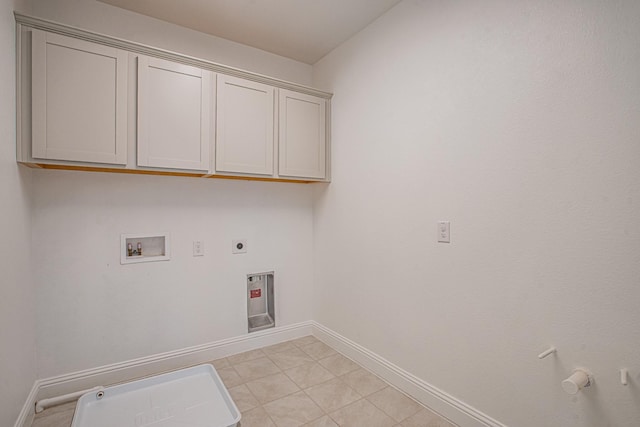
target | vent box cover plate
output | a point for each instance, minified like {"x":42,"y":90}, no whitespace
{"x":192,"y":397}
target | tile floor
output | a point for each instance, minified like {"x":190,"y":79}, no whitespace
{"x":303,"y":382}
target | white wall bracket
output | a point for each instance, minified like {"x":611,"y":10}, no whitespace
{"x":624,"y":376}
{"x":547,"y":352}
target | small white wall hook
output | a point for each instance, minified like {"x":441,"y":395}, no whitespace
{"x":624,"y":375}
{"x":547,"y":352}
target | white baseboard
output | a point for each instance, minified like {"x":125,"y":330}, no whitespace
{"x":158,"y":363}
{"x":25,"y":418}
{"x":439,"y":401}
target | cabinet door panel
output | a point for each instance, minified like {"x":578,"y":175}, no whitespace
{"x":78,"y":100}
{"x":245,"y":123}
{"x":302,"y":142}
{"x":173,"y":115}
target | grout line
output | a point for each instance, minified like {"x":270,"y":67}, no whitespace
{"x":252,"y":395}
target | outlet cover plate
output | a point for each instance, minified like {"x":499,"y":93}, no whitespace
{"x":239,"y":246}
{"x":198,"y":248}
{"x":444,"y":232}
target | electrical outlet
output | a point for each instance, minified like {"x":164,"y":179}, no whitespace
{"x":239,"y":246}
{"x":444,"y":232}
{"x":198,"y":248}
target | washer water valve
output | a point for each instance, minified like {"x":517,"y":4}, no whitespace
{"x":578,"y":380}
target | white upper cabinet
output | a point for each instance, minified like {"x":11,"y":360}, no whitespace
{"x":91,"y":101}
{"x":174,"y":115}
{"x":302,"y":142}
{"x":244,"y":126}
{"x":79,"y":100}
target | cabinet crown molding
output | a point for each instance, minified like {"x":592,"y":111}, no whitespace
{"x":139,"y":48}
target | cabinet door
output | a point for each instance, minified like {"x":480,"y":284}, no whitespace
{"x":302,"y":143}
{"x":79,"y":100}
{"x":174,"y":108}
{"x":244,"y":126}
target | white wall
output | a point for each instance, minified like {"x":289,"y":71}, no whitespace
{"x":106,"y":19}
{"x":518,"y":122}
{"x":17,"y":320}
{"x":94,"y":311}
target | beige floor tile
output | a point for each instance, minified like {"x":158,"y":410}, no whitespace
{"x":65,"y":407}
{"x":57,"y":416}
{"x":361,"y":414}
{"x":256,"y":417}
{"x":55,"y":420}
{"x":243,"y":398}
{"x":363,"y":381}
{"x":332,"y":395}
{"x":293,"y":410}
{"x":220,"y":363}
{"x":325,"y":421}
{"x":309,"y":374}
{"x":338,"y":364}
{"x":279,"y":348}
{"x":272,"y":387}
{"x":301,"y":342}
{"x":246,"y":356}
{"x":426,"y":418}
{"x":318,"y":350}
{"x":394,"y":403}
{"x":290,"y":358}
{"x":254,"y":369}
{"x":229,"y":377}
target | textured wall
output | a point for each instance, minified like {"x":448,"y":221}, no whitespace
{"x":517,"y":122}
{"x":106,"y":19}
{"x":17,"y":320}
{"x":94,"y":311}
{"x":91,"y":310}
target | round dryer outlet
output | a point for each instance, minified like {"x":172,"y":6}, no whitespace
{"x":239,"y":246}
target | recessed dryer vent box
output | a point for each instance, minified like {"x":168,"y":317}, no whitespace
{"x":144,"y":248}
{"x":261,"y":311}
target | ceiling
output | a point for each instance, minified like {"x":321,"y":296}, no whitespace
{"x":304,"y":30}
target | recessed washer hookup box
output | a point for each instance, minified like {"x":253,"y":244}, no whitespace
{"x":194,"y":397}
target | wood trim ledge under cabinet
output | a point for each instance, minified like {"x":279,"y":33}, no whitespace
{"x":165,"y":173}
